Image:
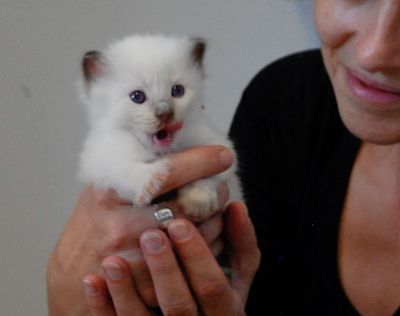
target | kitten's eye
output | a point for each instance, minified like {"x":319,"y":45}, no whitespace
{"x":138,"y":96}
{"x":177,"y":91}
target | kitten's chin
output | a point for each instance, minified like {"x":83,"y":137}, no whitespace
{"x":165,"y":136}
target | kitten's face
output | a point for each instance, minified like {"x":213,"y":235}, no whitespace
{"x":145,"y":85}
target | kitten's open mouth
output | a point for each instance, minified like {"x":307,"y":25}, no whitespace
{"x":165,"y":136}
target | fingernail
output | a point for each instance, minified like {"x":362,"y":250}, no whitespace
{"x":153,"y":242}
{"x":226,"y":158}
{"x":179,"y":231}
{"x":90,"y":289}
{"x":113,"y":271}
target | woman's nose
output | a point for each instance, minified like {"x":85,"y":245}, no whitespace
{"x":378,"y":46}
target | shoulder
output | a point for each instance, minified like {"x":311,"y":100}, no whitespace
{"x":287,"y":96}
{"x":285,"y":113}
{"x":306,"y":62}
{"x":292,"y":76}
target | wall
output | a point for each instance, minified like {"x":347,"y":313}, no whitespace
{"x":42,"y":124}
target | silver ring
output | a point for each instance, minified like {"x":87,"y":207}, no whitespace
{"x":164,"y":216}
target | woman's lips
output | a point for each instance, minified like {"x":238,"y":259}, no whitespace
{"x":371,"y":91}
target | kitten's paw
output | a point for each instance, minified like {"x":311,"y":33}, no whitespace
{"x":153,"y":186}
{"x":198,"y":200}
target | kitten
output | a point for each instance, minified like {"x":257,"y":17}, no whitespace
{"x":144,"y":96}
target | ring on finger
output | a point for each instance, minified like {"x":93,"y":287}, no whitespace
{"x":163,"y":215}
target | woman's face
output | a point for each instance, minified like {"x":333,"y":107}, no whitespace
{"x":360,"y":42}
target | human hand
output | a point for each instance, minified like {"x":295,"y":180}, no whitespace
{"x":190,"y":283}
{"x":102,"y":224}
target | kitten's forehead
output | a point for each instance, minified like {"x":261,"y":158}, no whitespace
{"x":150,"y":51}
{"x":144,"y":62}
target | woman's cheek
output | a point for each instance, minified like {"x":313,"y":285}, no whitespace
{"x":333,"y":21}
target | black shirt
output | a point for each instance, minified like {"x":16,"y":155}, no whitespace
{"x":296,"y":157}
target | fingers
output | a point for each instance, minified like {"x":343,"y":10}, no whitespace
{"x":143,"y":282}
{"x":97,"y":296}
{"x":197,"y":163}
{"x":120,"y":288}
{"x":207,"y":280}
{"x":123,"y":227}
{"x":212,"y":294}
{"x":173,"y":293}
{"x":243,"y":252}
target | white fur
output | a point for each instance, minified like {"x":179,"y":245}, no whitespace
{"x":118,"y":152}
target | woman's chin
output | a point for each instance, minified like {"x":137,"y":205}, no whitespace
{"x":372,"y":128}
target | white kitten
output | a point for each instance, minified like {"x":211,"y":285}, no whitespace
{"x":144,"y":96}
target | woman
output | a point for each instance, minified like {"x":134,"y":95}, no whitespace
{"x":319,"y":140}
{"x":330,"y":154}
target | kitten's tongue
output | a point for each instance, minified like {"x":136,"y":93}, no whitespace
{"x":165,"y":136}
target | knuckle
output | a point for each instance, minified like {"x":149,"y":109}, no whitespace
{"x":159,"y":271}
{"x":114,"y":241}
{"x":116,"y":236}
{"x":250,"y":267}
{"x":178,"y":309}
{"x":162,"y":269}
{"x":211,"y":289}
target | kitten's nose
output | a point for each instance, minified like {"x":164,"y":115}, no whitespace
{"x":165,"y":116}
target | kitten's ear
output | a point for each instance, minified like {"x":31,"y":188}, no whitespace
{"x":92,"y":65}
{"x":198,"y":50}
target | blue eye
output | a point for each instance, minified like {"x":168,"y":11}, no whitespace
{"x":138,"y":96}
{"x":177,"y":91}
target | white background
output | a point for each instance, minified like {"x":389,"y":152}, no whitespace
{"x":42,"y":124}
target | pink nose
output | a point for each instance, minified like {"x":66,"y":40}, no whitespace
{"x":165,"y":116}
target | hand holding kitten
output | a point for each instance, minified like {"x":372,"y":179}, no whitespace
{"x":194,"y":286}
{"x":102,"y":224}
